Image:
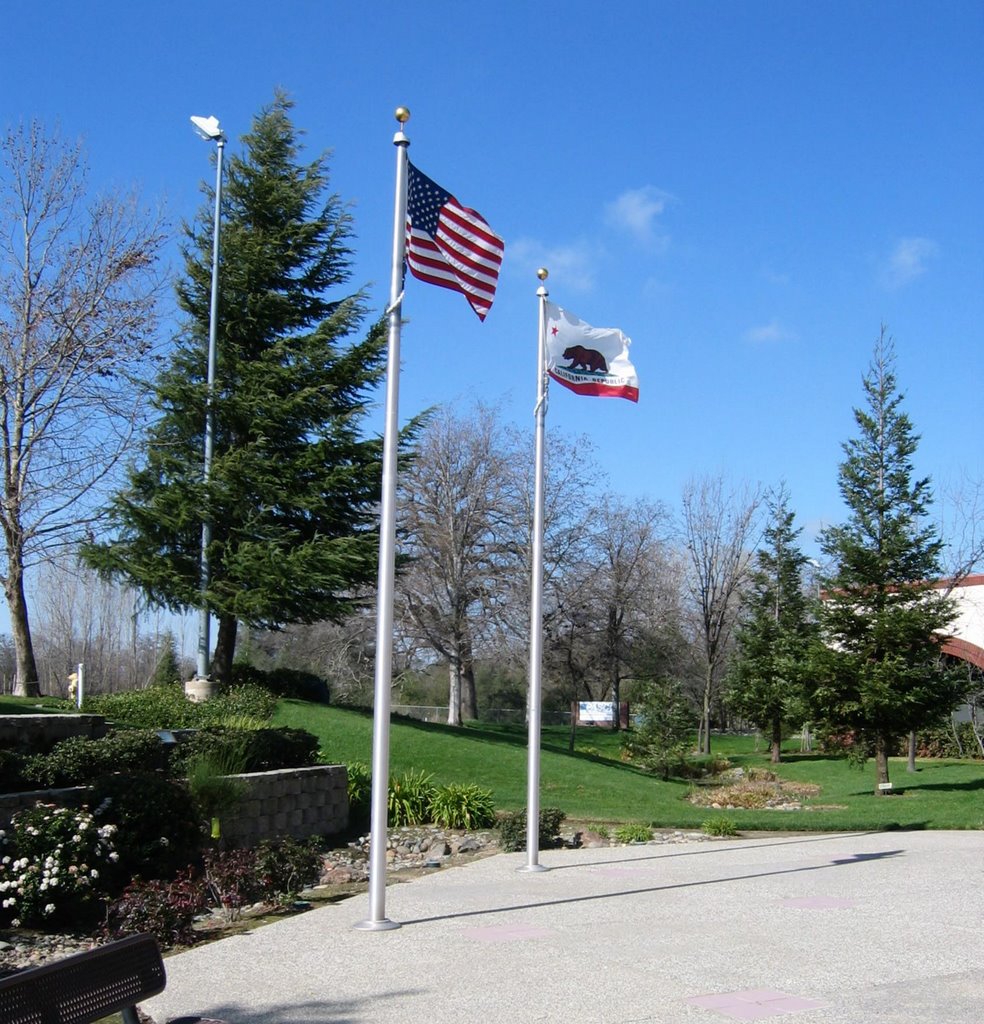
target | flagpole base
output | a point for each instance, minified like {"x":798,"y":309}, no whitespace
{"x":533,"y":868}
{"x":385,"y":925}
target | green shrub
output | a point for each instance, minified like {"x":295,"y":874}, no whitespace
{"x":238,"y":699}
{"x":721,"y":826}
{"x":359,"y":792}
{"x":551,"y":818}
{"x":462,"y":806}
{"x":53,"y":864}
{"x":249,"y":750}
{"x":633,"y":832}
{"x":78,"y":760}
{"x":287,"y":867}
{"x":941,"y":742}
{"x":167,"y":707}
{"x":165,"y":909}
{"x":12,"y":778}
{"x":512,"y":828}
{"x":284,"y":682}
{"x":156,"y":707}
{"x":158,"y":828}
{"x":409,"y":798}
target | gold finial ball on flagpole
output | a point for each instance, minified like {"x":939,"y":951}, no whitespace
{"x":402,"y":114}
{"x":543,"y":273}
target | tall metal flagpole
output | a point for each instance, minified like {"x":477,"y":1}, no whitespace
{"x":536,"y":597}
{"x":377,"y":920}
{"x":204,"y":613}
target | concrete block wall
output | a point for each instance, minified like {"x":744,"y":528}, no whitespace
{"x":42,"y":732}
{"x":296,"y":802}
{"x":11,"y":803}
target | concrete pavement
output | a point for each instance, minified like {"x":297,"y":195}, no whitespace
{"x":826,"y":929}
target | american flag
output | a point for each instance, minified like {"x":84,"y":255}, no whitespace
{"x":450,"y":245}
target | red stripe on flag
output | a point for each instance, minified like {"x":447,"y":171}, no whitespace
{"x":597,"y":390}
{"x":464,"y":254}
{"x":472,"y":222}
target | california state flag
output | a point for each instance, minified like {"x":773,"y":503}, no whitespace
{"x":589,"y":360}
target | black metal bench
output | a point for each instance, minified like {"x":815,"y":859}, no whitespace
{"x":87,"y":986}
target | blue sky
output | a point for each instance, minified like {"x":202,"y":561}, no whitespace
{"x":748,"y":190}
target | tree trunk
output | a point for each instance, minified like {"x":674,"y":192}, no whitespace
{"x":705,"y":719}
{"x":911,"y":765}
{"x":225,"y":649}
{"x":454,"y":692}
{"x":881,"y":765}
{"x":469,"y":697}
{"x":776,"y":744}
{"x":26,"y":681}
{"x":613,"y":654}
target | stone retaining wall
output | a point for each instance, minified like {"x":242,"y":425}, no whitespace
{"x":41,"y":732}
{"x":296,"y":802}
{"x":11,"y":803}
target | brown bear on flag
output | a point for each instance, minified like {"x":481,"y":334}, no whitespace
{"x":589,"y":360}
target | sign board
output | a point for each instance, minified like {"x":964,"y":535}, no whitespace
{"x":600,"y":712}
{"x":594,"y":711}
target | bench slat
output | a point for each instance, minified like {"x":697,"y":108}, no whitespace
{"x":84,"y":987}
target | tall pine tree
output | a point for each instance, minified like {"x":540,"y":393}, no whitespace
{"x":877,"y":674}
{"x":774,"y":639}
{"x":294,"y":482}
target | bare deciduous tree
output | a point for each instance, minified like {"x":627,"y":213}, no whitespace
{"x":82,"y":619}
{"x":720,"y":530}
{"x":457,"y":525}
{"x":78,"y":295}
{"x":628,"y":538}
{"x":607,"y":598}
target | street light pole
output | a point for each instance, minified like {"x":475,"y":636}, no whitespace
{"x":208,"y":128}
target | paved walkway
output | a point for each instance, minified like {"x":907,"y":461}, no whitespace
{"x":830,"y":929}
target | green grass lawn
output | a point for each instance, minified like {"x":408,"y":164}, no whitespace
{"x":34,"y":705}
{"x":593,"y":784}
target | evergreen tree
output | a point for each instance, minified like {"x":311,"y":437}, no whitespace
{"x":168,"y":668}
{"x":293,"y":484}
{"x":666,"y":728}
{"x":774,"y":640}
{"x":878,"y":672}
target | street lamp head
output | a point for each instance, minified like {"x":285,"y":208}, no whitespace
{"x":208,"y":128}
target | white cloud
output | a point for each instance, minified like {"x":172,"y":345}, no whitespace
{"x":571,"y":266}
{"x":636,"y":210}
{"x":769,"y":334}
{"x":908,"y":260}
{"x":776,"y":277}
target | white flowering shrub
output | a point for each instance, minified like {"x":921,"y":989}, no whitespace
{"x":51,"y":861}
